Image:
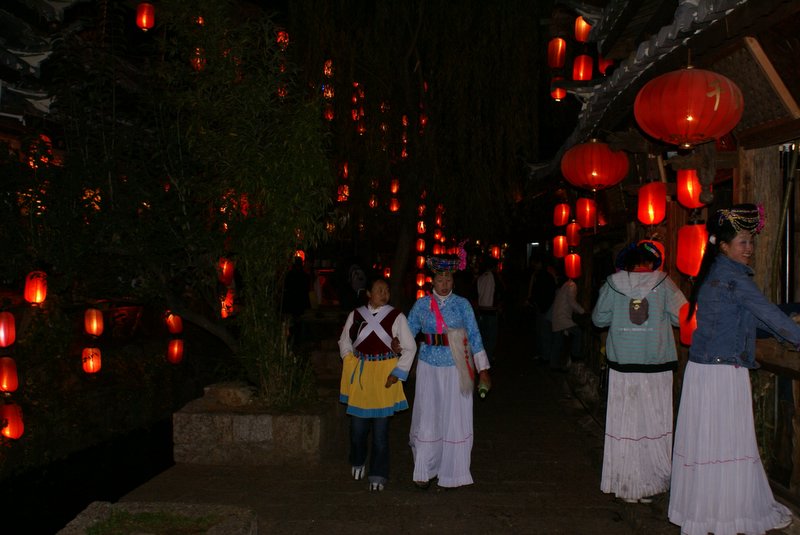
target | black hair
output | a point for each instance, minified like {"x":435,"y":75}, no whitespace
{"x":720,"y":229}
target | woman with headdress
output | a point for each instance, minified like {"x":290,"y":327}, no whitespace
{"x":639,"y":305}
{"x":718,"y":482}
{"x":450,"y":358}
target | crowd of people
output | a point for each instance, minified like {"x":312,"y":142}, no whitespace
{"x":710,"y":465}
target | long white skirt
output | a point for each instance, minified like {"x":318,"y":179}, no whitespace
{"x":637,"y":456}
{"x":718,"y":482}
{"x":441,"y":427}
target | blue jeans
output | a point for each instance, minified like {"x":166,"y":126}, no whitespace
{"x":379,"y":460}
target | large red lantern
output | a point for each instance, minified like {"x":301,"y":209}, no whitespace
{"x":582,"y":29}
{"x":174,"y":323}
{"x":652,"y":203}
{"x":573,"y":234}
{"x":561,"y":214}
{"x":145,"y":16}
{"x":692,"y":241}
{"x":175,"y":351}
{"x":91,"y":359}
{"x":556,"y":52}
{"x":688,"y":106}
{"x":93,"y":321}
{"x":594,"y":166}
{"x":559,"y":246}
{"x":687,"y":326}
{"x":36,"y":287}
{"x":557,"y":92}
{"x":582,"y":68}
{"x":585,"y":212}
{"x":8,"y":375}
{"x":11,"y":416}
{"x":572,"y":265}
{"x":689,"y":189}
{"x":8,"y":330}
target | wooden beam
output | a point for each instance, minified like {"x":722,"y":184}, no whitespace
{"x":772,"y":77}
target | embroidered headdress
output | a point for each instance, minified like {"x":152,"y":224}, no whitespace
{"x":743,"y":217}
{"x":448,"y":263}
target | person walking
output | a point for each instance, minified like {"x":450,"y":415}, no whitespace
{"x":488,"y":307}
{"x":565,"y":304}
{"x":639,"y":305}
{"x":369,"y":384}
{"x":718,"y":482}
{"x":449,"y":359}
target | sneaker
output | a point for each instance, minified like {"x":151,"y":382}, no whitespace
{"x":357,"y":472}
{"x":376,"y":486}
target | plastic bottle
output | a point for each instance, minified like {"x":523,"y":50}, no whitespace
{"x":482,"y":390}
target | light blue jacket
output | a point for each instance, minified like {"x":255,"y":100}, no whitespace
{"x":729,"y":309}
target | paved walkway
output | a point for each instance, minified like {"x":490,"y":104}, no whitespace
{"x":536,"y":464}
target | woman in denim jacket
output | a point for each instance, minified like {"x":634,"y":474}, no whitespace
{"x":718,"y":482}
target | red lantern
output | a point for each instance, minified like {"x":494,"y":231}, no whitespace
{"x":394,"y":185}
{"x":387,"y":273}
{"x":559,"y":246}
{"x":227,"y":304}
{"x":8,"y":375}
{"x":692,"y":241}
{"x":174,"y":323}
{"x":687,"y":326}
{"x":225,"y":270}
{"x":437,"y":249}
{"x":652,"y":203}
{"x":11,"y":416}
{"x":91,"y":359}
{"x":373,"y":201}
{"x":420,"y":294}
{"x":585,"y":212}
{"x":688,"y":106}
{"x":420,"y":245}
{"x":495,"y":251}
{"x":420,"y":227}
{"x":573,"y":234}
{"x":594,"y":166}
{"x":557,"y":92}
{"x":561,"y":214}
{"x":394,"y":204}
{"x":420,"y":279}
{"x":582,"y":29}
{"x":420,"y":262}
{"x":93,"y":321}
{"x":145,"y":16}
{"x":603,"y":64}
{"x":556,"y":52}
{"x":582,"y":68}
{"x":572,"y":265}
{"x":36,"y":287}
{"x":175,"y":351}
{"x":689,"y":189}
{"x":8,"y":330}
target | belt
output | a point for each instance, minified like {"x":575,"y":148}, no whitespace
{"x":434,"y":339}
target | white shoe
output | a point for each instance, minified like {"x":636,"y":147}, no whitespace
{"x":645,"y":500}
{"x":376,"y":486}
{"x":358,"y":472}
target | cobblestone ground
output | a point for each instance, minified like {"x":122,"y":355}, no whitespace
{"x":536,"y":464}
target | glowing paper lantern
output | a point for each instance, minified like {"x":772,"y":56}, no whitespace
{"x":582,"y":29}
{"x":387,"y":273}
{"x":561,"y":214}
{"x":573,"y":234}
{"x":582,"y":68}
{"x":556,"y":52}
{"x":420,"y":294}
{"x":652,"y":203}
{"x":8,"y":329}
{"x":8,"y":375}
{"x":692,"y":241}
{"x":420,"y":262}
{"x":394,"y":204}
{"x":687,"y":326}
{"x":225,"y":269}
{"x":572,"y":265}
{"x":437,"y":249}
{"x":91,"y":359}
{"x":394,"y":186}
{"x":11,"y":414}
{"x":689,"y":189}
{"x":420,"y":279}
{"x":495,"y":251}
{"x":420,"y":227}
{"x":174,"y":323}
{"x":36,"y":287}
{"x":175,"y":351}
{"x":93,"y":321}
{"x":585,"y":212}
{"x":603,"y":64}
{"x":420,"y":245}
{"x":560,"y":246}
{"x":145,"y":16}
{"x":594,"y":166}
{"x":688,"y":106}
{"x":557,"y":92}
{"x":227,"y":304}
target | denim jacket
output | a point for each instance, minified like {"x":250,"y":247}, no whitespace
{"x":729,"y":309}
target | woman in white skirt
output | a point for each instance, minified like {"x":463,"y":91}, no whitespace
{"x":441,"y":420}
{"x":639,"y":305}
{"x":718,"y":482}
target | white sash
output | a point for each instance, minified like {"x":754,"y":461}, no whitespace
{"x":372,"y":324}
